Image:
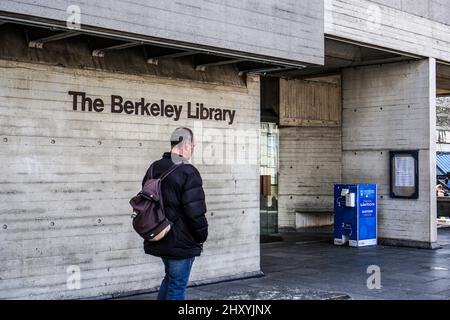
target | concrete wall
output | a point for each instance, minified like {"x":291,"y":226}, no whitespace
{"x":443,"y":147}
{"x":291,"y":30}
{"x":392,"y":107}
{"x":436,"y":10}
{"x":413,"y":26}
{"x":67,"y":177}
{"x":310,"y":164}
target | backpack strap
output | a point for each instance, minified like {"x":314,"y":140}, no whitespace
{"x":169,"y":171}
{"x":151,"y":172}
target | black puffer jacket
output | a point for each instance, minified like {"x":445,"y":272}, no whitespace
{"x":184,"y":204}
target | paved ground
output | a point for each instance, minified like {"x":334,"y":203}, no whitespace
{"x":308,"y":266}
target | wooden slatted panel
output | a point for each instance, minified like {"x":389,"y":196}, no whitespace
{"x":310,"y":103}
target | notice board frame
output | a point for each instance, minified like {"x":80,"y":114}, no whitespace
{"x":393,"y":192}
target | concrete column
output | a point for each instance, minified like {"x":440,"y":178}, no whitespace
{"x":393,"y":107}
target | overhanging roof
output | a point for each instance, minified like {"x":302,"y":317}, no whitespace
{"x":443,"y":163}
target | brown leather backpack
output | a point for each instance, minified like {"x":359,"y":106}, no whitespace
{"x":149,"y":219}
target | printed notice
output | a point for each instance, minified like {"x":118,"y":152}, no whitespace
{"x":404,"y":172}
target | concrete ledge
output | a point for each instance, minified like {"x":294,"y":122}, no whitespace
{"x":408,"y":243}
{"x":286,"y":229}
{"x":241,"y":276}
{"x":192,"y":284}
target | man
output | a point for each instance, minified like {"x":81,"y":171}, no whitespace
{"x":440,"y":190}
{"x":184,"y":204}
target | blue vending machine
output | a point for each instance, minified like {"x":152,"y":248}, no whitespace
{"x":355,"y":214}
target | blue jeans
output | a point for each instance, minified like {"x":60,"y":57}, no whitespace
{"x":176,"y":279}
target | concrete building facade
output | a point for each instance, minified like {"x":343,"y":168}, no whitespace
{"x":91,"y":90}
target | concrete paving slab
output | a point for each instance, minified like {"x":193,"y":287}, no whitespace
{"x":306,"y":270}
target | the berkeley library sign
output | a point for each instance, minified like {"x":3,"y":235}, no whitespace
{"x":82,"y":102}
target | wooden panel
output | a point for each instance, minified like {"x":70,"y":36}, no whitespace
{"x":68,"y":175}
{"x":309,"y":103}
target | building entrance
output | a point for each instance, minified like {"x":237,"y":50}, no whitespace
{"x":269,"y":178}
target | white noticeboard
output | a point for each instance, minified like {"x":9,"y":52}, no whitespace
{"x":404,"y":171}
{"x":404,"y":174}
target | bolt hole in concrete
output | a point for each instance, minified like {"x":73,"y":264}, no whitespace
{"x":5,"y":226}
{"x":99,"y":220}
{"x":52,"y":141}
{"x":99,"y":143}
{"x":52,"y":224}
{"x":5,"y":139}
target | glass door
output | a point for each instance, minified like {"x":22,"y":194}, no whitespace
{"x":269,"y":179}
